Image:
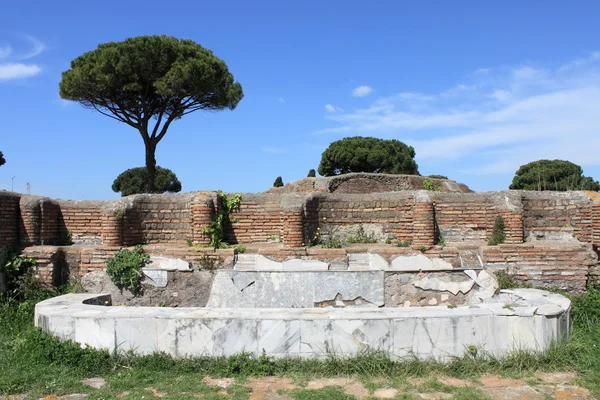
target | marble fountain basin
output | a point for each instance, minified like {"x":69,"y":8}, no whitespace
{"x":517,"y":319}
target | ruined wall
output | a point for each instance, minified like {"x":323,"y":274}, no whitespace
{"x":9,"y":218}
{"x":557,"y":216}
{"x":471,"y":218}
{"x":367,"y":183}
{"x":259,"y":219}
{"x":160,"y":219}
{"x":563,"y":265}
{"x":83,"y":219}
{"x":381,"y":216}
{"x":421,"y":217}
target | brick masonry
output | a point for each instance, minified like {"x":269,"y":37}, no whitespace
{"x":562,"y":266}
{"x":541,"y":219}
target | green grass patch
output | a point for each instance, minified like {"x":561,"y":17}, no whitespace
{"x":38,"y":364}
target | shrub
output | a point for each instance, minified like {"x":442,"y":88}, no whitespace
{"x":20,"y":278}
{"x":437,"y":176}
{"x":498,"y":235}
{"x":428,"y":185}
{"x":311,"y":173}
{"x":509,"y":281}
{"x":278,"y":182}
{"x":403,"y":243}
{"x":125,"y":268}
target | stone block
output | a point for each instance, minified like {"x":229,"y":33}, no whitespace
{"x":168,"y":264}
{"x":419,"y":262}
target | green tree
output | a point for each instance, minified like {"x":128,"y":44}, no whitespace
{"x":311,"y":173}
{"x":437,"y":176}
{"x":2,"y":160}
{"x":368,"y":154}
{"x":134,"y":180}
{"x":147,"y":82}
{"x":559,"y":175}
{"x":278,"y":182}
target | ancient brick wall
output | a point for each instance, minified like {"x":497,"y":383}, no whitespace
{"x":391,"y":216}
{"x":464,"y":220}
{"x":83,"y":219}
{"x":259,"y":219}
{"x":9,"y":218}
{"x":555,"y":216}
{"x":159,"y":219}
{"x":471,"y":217}
{"x":564,"y":266}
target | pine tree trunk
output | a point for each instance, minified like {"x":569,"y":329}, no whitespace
{"x":150,"y":166}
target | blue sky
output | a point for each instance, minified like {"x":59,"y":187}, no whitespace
{"x":477,"y":87}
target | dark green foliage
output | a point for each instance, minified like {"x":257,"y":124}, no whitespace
{"x":125,"y":268}
{"x":21,"y":283}
{"x":278,"y":182}
{"x":437,"y":176}
{"x":147,"y":78}
{"x":557,"y":175}
{"x":134,"y":181}
{"x":498,"y":235}
{"x":2,"y":159}
{"x":368,"y":154}
{"x":311,"y":173}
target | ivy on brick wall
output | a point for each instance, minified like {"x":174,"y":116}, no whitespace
{"x":221,"y":218}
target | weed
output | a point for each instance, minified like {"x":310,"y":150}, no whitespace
{"x":64,"y":239}
{"x":509,"y":281}
{"x":216,"y":229}
{"x":239,"y":249}
{"x":208,"y":263}
{"x":403,"y":243}
{"x":423,"y":249}
{"x":120,"y":214}
{"x":362,"y":237}
{"x":498,"y":236}
{"x":125,"y":268}
{"x":428,"y":185}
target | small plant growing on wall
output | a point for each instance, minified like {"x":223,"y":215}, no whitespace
{"x":125,"y":268}
{"x":216,"y":230}
{"x":362,"y":237}
{"x":498,"y":235}
{"x":428,"y":185}
{"x":507,"y":280}
{"x":208,"y":263}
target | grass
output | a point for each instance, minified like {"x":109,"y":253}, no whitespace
{"x":37,"y":364}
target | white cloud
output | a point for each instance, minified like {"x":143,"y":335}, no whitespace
{"x":37,"y":47}
{"x":362,"y":91}
{"x":281,"y":100}
{"x":5,"y":51}
{"x":18,"y":71}
{"x":274,"y":150}
{"x":12,"y":69}
{"x":331,"y":108}
{"x":496,"y":120}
